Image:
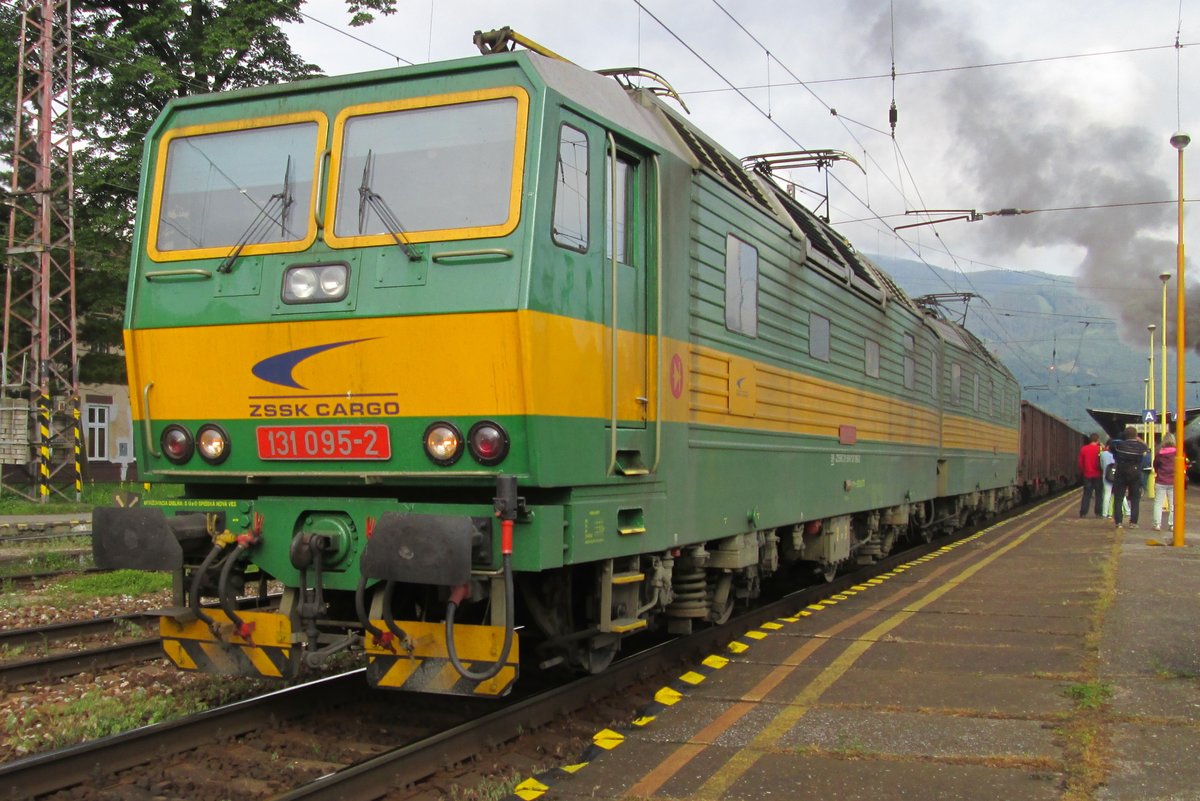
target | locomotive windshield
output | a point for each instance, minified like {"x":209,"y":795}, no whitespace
{"x":435,"y":168}
{"x":215,"y":184}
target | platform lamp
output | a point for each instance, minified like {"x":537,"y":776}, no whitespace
{"x":1179,"y":141}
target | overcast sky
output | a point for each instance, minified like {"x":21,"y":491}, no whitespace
{"x":1060,"y":129}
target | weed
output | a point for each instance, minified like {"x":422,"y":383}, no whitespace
{"x":1091,"y":695}
{"x":491,"y":790}
{"x":8,"y":652}
{"x":848,"y":744}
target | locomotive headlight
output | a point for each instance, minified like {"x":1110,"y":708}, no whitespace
{"x":315,"y":283}
{"x":443,"y":443}
{"x":488,"y":442}
{"x":176,"y":444}
{"x":213,"y":443}
{"x":300,"y":284}
{"x":332,"y":281}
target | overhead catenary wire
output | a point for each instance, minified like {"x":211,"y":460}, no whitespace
{"x":1018,"y":355}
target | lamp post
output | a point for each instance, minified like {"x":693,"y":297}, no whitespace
{"x":1162,"y":409}
{"x":1151,"y":426}
{"x":1179,"y":141}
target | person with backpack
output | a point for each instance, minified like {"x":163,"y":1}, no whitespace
{"x":1128,"y":453}
{"x":1108,"y":474}
{"x":1089,"y":468}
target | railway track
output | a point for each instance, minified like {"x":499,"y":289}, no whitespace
{"x":335,"y":738}
{"x":70,"y":663}
{"x":87,"y":660}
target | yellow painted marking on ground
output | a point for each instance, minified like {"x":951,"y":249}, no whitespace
{"x":668,"y":696}
{"x":815,"y":607}
{"x":839,"y":596}
{"x":860,"y":587}
{"x":875,"y":582}
{"x":644,"y":720}
{"x":608,"y":739}
{"x":738,"y":647}
{"x":772,"y":625}
{"x":530,"y":789}
{"x":715,"y":662}
{"x":756,"y":635}
{"x":692,"y":677}
{"x":828,"y":602}
{"x":767,"y":740}
{"x":804,"y":613}
{"x":575,"y":768}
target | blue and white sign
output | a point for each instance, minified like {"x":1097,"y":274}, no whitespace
{"x":1148,"y":416}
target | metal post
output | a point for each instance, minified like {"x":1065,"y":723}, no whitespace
{"x":1179,"y":141}
{"x":1151,"y":425}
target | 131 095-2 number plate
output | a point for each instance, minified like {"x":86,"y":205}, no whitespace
{"x":324,"y":442}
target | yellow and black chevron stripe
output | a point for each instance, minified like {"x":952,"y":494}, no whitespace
{"x":421,"y":662}
{"x":268,"y":653}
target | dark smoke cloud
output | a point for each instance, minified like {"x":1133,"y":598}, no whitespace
{"x":1026,"y":144}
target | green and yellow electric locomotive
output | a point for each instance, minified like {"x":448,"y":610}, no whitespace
{"x":501,"y":342}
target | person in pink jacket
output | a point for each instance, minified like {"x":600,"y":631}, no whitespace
{"x":1164,"y":482}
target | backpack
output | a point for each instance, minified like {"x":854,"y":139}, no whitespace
{"x":1110,"y":472}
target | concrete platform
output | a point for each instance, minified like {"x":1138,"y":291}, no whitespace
{"x":1047,"y":657}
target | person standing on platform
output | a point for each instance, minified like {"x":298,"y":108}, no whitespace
{"x":1164,"y":482}
{"x":1106,"y":459}
{"x":1089,"y":468}
{"x":1128,"y":452}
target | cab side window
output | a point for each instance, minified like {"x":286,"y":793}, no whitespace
{"x":570,"y":226}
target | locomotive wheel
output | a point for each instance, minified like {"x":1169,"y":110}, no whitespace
{"x":829,"y":572}
{"x":598,"y":657}
{"x":722,"y":617}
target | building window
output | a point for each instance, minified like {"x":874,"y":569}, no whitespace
{"x":872,"y":358}
{"x":741,"y":286}
{"x":818,"y":337}
{"x":910,"y":362}
{"x":570,"y":228}
{"x":96,"y":432}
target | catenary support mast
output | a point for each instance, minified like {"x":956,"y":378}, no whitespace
{"x":40,"y":368}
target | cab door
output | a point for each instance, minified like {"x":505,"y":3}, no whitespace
{"x":628,"y":231}
{"x":625,"y":266}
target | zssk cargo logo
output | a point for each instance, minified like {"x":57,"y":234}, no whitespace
{"x":279,"y":370}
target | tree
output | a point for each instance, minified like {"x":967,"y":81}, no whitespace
{"x":132,"y":57}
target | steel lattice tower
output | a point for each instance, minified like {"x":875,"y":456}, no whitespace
{"x":40,"y":369}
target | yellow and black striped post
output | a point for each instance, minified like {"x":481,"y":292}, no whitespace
{"x":78,"y":449}
{"x":43,"y":447}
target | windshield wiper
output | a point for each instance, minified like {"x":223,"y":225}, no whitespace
{"x":369,"y":198}
{"x":259,"y":225}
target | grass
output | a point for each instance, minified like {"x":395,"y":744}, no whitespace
{"x":93,"y":495}
{"x":115,"y":584}
{"x":98,"y":714}
{"x":1085,"y":732}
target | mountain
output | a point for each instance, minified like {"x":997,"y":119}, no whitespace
{"x":1062,"y":346}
